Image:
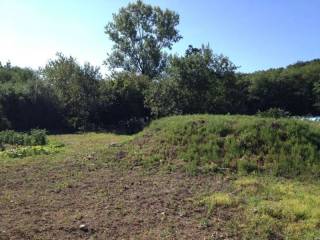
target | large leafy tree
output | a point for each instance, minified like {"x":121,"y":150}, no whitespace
{"x":294,"y":88}
{"x":199,"y":82}
{"x":76,"y":88}
{"x":122,"y":98}
{"x":204,"y":80}
{"x":25,"y":101}
{"x":141,"y":33}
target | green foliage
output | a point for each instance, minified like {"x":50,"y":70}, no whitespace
{"x":122,"y":101}
{"x":21,"y":152}
{"x":246,"y":144}
{"x":38,"y":137}
{"x":35,"y":137}
{"x":199,"y":82}
{"x":76,"y":88}
{"x":4,"y":123}
{"x":141,"y":32}
{"x":274,"y":113}
{"x":25,"y":100}
{"x":294,"y":88}
{"x":164,"y":98}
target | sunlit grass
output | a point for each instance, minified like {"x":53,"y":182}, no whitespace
{"x":270,"y":208}
{"x":218,"y":199}
{"x":287,"y":208}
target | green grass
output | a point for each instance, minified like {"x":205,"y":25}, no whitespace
{"x":210,"y":143}
{"x":284,"y":208}
{"x":217,"y":199}
{"x":71,"y":147}
{"x":265,"y":208}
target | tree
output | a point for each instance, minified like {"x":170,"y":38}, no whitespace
{"x":205,"y":81}
{"x":199,"y":82}
{"x":122,"y":99}
{"x":76,"y":88}
{"x":141,"y":32}
{"x":26,"y":101}
{"x":294,"y":88}
{"x":4,"y":123}
{"x":165,"y":98}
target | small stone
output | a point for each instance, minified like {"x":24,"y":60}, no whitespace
{"x":182,"y":214}
{"x":115,"y":144}
{"x":84,"y":227}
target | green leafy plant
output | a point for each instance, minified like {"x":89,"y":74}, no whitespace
{"x":21,"y":152}
{"x":33,"y":138}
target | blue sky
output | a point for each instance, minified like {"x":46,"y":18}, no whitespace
{"x":254,"y":34}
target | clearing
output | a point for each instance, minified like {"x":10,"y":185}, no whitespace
{"x":138,"y":187}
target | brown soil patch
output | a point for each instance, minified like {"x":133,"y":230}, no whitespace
{"x":52,"y":202}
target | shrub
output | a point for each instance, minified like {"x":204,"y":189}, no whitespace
{"x":38,"y":137}
{"x":132,"y":125}
{"x":35,"y":137}
{"x":245,"y":166}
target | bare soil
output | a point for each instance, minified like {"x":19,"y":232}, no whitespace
{"x":110,"y":203}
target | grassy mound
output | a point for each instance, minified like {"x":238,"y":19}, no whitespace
{"x":208,"y":143}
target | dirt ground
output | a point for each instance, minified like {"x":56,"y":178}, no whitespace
{"x":80,"y":198}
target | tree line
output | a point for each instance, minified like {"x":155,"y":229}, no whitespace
{"x":147,"y":82}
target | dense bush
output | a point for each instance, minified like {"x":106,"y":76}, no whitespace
{"x":26,"y":101}
{"x":295,"y":88}
{"x":122,"y":101}
{"x":284,"y":147}
{"x":33,"y":138}
{"x":76,"y":89}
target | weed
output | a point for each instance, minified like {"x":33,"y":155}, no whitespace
{"x":218,"y":199}
{"x":21,"y":152}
